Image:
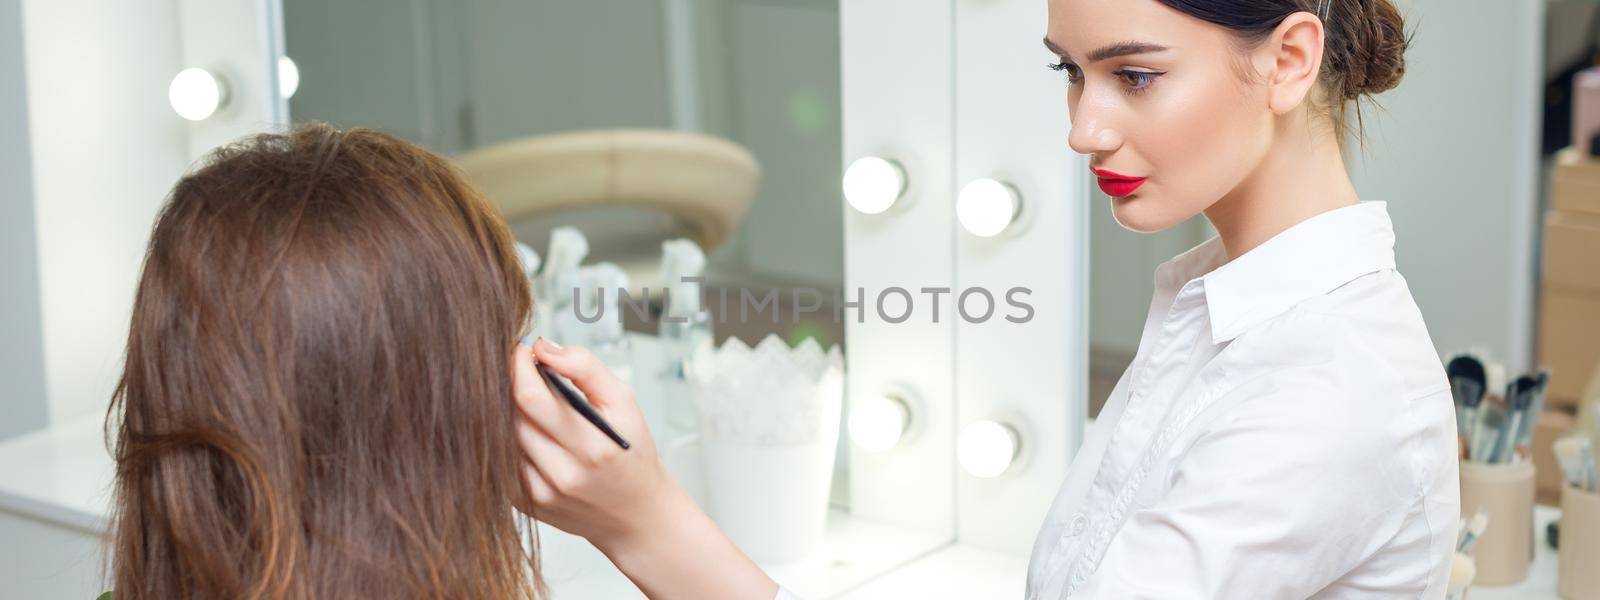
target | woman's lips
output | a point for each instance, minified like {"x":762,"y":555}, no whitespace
{"x":1116,"y":184}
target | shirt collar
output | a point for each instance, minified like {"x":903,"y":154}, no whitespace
{"x":1309,"y":259}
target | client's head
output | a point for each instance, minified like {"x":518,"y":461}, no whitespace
{"x":315,"y":401}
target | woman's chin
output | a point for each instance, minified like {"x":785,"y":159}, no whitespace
{"x":1143,"y":213}
{"x":1138,"y":213}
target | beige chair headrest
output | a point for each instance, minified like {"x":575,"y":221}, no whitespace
{"x":706,"y":182}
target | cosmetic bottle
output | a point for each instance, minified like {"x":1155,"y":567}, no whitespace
{"x":557,"y":285}
{"x":601,"y":317}
{"x":529,"y":259}
{"x":685,"y":331}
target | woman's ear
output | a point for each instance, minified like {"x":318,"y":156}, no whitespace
{"x":1291,"y":59}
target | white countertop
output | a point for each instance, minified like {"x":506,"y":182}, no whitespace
{"x":63,"y":475}
{"x":60,"y":475}
{"x":960,"y":571}
{"x":1541,"y":580}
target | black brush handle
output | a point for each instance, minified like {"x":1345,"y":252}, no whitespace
{"x":564,"y":388}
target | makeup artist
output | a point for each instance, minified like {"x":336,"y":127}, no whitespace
{"x":1285,"y":429}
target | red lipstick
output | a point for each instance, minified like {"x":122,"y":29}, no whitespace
{"x":1116,"y":184}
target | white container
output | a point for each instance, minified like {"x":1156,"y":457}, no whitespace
{"x":769,"y":427}
{"x":771,"y":500}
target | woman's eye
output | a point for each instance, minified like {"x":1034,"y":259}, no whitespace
{"x":1068,"y":69}
{"x":1137,"y":80}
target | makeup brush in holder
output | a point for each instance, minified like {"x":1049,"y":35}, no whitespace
{"x":769,"y":426}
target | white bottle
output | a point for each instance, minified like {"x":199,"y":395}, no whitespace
{"x":556,"y":285}
{"x":600,"y":314}
{"x":685,"y":331}
{"x":529,"y":259}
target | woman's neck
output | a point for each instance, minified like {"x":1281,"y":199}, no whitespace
{"x":1302,"y":175}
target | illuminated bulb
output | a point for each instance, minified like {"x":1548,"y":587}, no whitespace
{"x":196,"y":94}
{"x":873,"y":184}
{"x":877,"y":421}
{"x":288,"y":77}
{"x":987,"y":448}
{"x":987,"y":207}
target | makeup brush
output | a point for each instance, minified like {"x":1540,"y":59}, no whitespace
{"x":1462,"y":571}
{"x":1467,"y":377}
{"x":564,"y":387}
{"x":1569,"y":451}
{"x":1491,"y":421}
{"x":1475,"y":529}
{"x":1530,"y":418}
{"x":1518,"y":398}
{"x":1591,"y":479}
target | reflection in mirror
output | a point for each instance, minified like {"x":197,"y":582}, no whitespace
{"x":604,"y":129}
{"x":461,"y":78}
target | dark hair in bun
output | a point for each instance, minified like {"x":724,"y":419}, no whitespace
{"x":1363,"y":53}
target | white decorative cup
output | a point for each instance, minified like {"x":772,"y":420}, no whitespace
{"x":769,"y":426}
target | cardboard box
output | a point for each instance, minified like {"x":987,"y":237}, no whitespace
{"x":1547,"y":484}
{"x":1572,"y":252}
{"x":1569,"y":342}
{"x":1575,"y":186}
{"x":1569,"y":305}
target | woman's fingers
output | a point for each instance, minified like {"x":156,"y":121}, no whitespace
{"x":561,"y":469}
{"x":562,"y":422}
{"x":610,"y":396}
{"x":539,"y":489}
{"x":587,"y":372}
{"x":578,"y":479}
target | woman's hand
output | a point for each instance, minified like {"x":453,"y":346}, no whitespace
{"x":577,"y":478}
{"x":622,"y":501}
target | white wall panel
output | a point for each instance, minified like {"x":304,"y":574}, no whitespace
{"x":1454,"y":151}
{"x":897,"y":103}
{"x":1011,"y":124}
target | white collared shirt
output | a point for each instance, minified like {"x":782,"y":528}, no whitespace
{"x":1285,"y":430}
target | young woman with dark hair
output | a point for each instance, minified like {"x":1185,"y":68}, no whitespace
{"x":1285,"y":429}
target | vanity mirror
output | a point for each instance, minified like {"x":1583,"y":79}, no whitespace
{"x":605,"y":128}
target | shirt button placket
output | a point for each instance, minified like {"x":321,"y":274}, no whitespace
{"x":1073,"y":529}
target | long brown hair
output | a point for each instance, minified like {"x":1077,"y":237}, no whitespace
{"x":315,"y":401}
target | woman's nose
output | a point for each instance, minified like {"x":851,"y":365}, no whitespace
{"x":1091,"y":134}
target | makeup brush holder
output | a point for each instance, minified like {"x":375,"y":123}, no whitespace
{"x":1505,"y":493}
{"x":1578,"y":562}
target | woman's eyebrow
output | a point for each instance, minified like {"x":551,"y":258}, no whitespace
{"x":1111,"y":51}
{"x":1054,"y":48}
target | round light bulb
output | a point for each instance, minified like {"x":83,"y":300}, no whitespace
{"x":872,"y":184}
{"x":196,"y":94}
{"x":987,"y":448}
{"x":288,"y":77}
{"x":987,"y":207}
{"x":877,"y":421}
